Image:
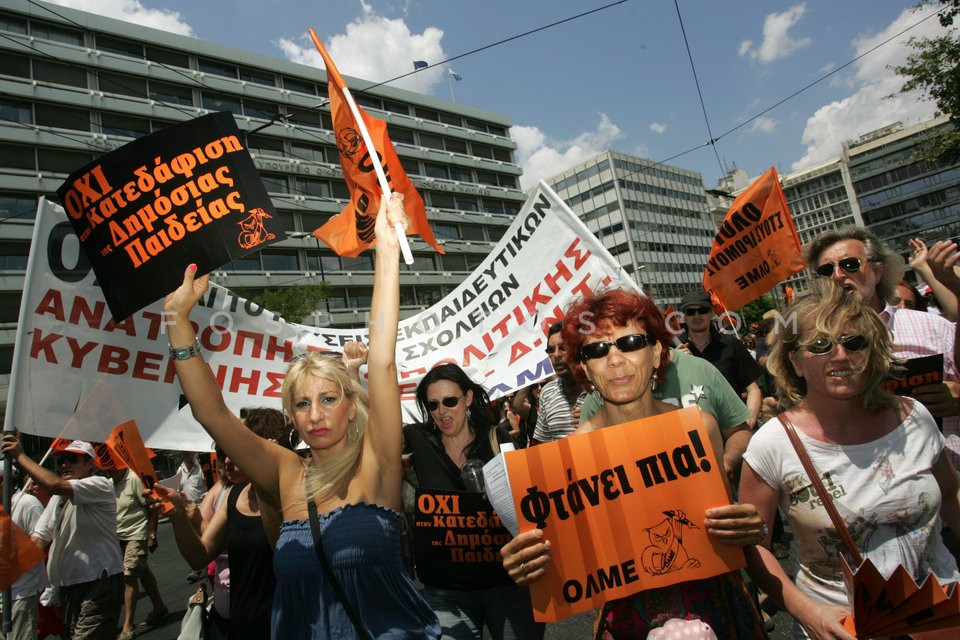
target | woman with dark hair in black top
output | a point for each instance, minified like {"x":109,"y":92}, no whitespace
{"x":466,"y":592}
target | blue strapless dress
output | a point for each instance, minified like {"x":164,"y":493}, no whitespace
{"x":362,"y":542}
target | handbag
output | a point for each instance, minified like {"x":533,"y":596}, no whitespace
{"x":194,"y":623}
{"x":361,"y":629}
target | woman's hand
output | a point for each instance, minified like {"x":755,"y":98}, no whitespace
{"x":736,"y":524}
{"x":177,"y":305}
{"x":823,"y":622}
{"x":354,"y":356}
{"x":527,"y":557}
{"x":389,"y":214}
{"x":155,"y":504}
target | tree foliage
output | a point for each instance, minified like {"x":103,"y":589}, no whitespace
{"x":293,"y":303}
{"x":934,"y":68}
{"x":752,"y":312}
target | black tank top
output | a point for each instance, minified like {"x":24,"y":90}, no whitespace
{"x":251,"y":573}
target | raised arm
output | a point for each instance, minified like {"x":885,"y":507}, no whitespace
{"x":197,"y":550}
{"x":256,"y":456}
{"x":384,"y":434}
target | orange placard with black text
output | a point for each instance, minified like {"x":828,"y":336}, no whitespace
{"x":756,"y":246}
{"x":623,"y":508}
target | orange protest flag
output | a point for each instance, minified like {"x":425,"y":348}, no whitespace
{"x":18,"y":553}
{"x":756,"y":246}
{"x":126,"y":444}
{"x":352,"y":230}
{"x":105,"y":458}
{"x":673,"y":320}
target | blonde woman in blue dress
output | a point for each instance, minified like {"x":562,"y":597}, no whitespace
{"x":352,"y":475}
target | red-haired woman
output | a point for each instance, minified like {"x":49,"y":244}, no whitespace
{"x":616,"y":342}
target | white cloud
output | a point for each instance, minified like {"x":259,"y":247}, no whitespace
{"x":376,"y":48}
{"x":876,"y":101}
{"x":132,"y":11}
{"x":763,"y":124}
{"x":777,"y":41}
{"x":658,"y":127}
{"x":543,"y":158}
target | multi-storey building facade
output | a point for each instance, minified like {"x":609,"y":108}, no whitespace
{"x":74,"y":86}
{"x":652,"y":217}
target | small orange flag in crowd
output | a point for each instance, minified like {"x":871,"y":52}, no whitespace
{"x":352,"y":230}
{"x":756,"y":246}
{"x":18,"y":553}
{"x":126,"y":444}
{"x":105,"y":459}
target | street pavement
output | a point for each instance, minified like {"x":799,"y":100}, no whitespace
{"x":171,"y":571}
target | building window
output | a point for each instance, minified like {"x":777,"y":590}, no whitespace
{"x":431,"y":141}
{"x":411,"y":166}
{"x":171,"y":93}
{"x":122,"y":84}
{"x":10,"y":306}
{"x":57,"y":73}
{"x":482,"y":150}
{"x":451,"y":118}
{"x":275,"y":183}
{"x":453,"y":262}
{"x":13,"y":111}
{"x":17,"y":206}
{"x":16,"y":156}
{"x":441,"y":200}
{"x":446,"y":231}
{"x":246,"y":263}
{"x":114,"y":124}
{"x":62,"y":160}
{"x":363,"y":262}
{"x":13,"y":24}
{"x":265,"y":146}
{"x":460,"y":173}
{"x":116,"y":45}
{"x":13,"y":256}
{"x":273,"y":260}
{"x":258,"y":77}
{"x":400,"y":134}
{"x":62,"y":117}
{"x":300,"y":86}
{"x":426,"y":114}
{"x":312,"y":152}
{"x":217,"y":68}
{"x":472,"y":232}
{"x":455,"y":145}
{"x":394,"y":107}
{"x":14,"y":65}
{"x":312,"y":187}
{"x":467,"y":203}
{"x":167,"y":57}
{"x":221,"y":102}
{"x":56,"y":33}
{"x":258,"y":109}
{"x":435,"y":170}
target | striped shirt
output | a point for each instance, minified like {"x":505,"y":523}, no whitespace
{"x":916,"y":334}
{"x":555,"y":414}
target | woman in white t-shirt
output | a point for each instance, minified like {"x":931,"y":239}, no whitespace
{"x":881,"y":457}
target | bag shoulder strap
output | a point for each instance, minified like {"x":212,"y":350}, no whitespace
{"x":328,"y":571}
{"x":825,"y":498}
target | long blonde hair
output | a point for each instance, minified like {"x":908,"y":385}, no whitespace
{"x":324,"y":478}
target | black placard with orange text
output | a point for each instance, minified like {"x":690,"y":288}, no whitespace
{"x":186,"y":194}
{"x":457,"y":539}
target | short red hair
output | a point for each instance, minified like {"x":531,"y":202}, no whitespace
{"x":614,"y":308}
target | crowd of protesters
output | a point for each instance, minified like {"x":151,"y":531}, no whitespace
{"x":308,"y":533}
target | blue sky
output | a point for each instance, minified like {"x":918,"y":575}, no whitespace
{"x":618,"y":78}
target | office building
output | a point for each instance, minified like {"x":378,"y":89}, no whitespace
{"x":652,"y":217}
{"x":74,"y":86}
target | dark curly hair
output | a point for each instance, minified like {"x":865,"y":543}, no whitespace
{"x":482,"y":417}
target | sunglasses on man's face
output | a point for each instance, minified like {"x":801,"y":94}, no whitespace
{"x":697,"y":311}
{"x":848,"y":265}
{"x":823,"y":346}
{"x":449,"y":402}
{"x":624,"y":344}
{"x":553,"y":348}
{"x":70,"y":458}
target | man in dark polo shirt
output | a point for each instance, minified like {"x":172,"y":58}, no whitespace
{"x":703,"y":339}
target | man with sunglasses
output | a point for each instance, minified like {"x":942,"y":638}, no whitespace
{"x":725,"y":352}
{"x":79,"y":525}
{"x":561,"y":399}
{"x":866,"y":268}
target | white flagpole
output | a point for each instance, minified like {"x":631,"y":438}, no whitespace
{"x":381,"y":178}
{"x":450,"y":84}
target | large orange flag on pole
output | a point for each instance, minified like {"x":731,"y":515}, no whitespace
{"x":372,"y":170}
{"x":756,"y":246}
{"x":18,"y":553}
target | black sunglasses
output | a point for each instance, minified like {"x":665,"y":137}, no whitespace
{"x":70,"y":458}
{"x":849,"y":265}
{"x":697,"y":311}
{"x":624,"y":344}
{"x":449,"y":402}
{"x":553,"y":348}
{"x":823,"y":346}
